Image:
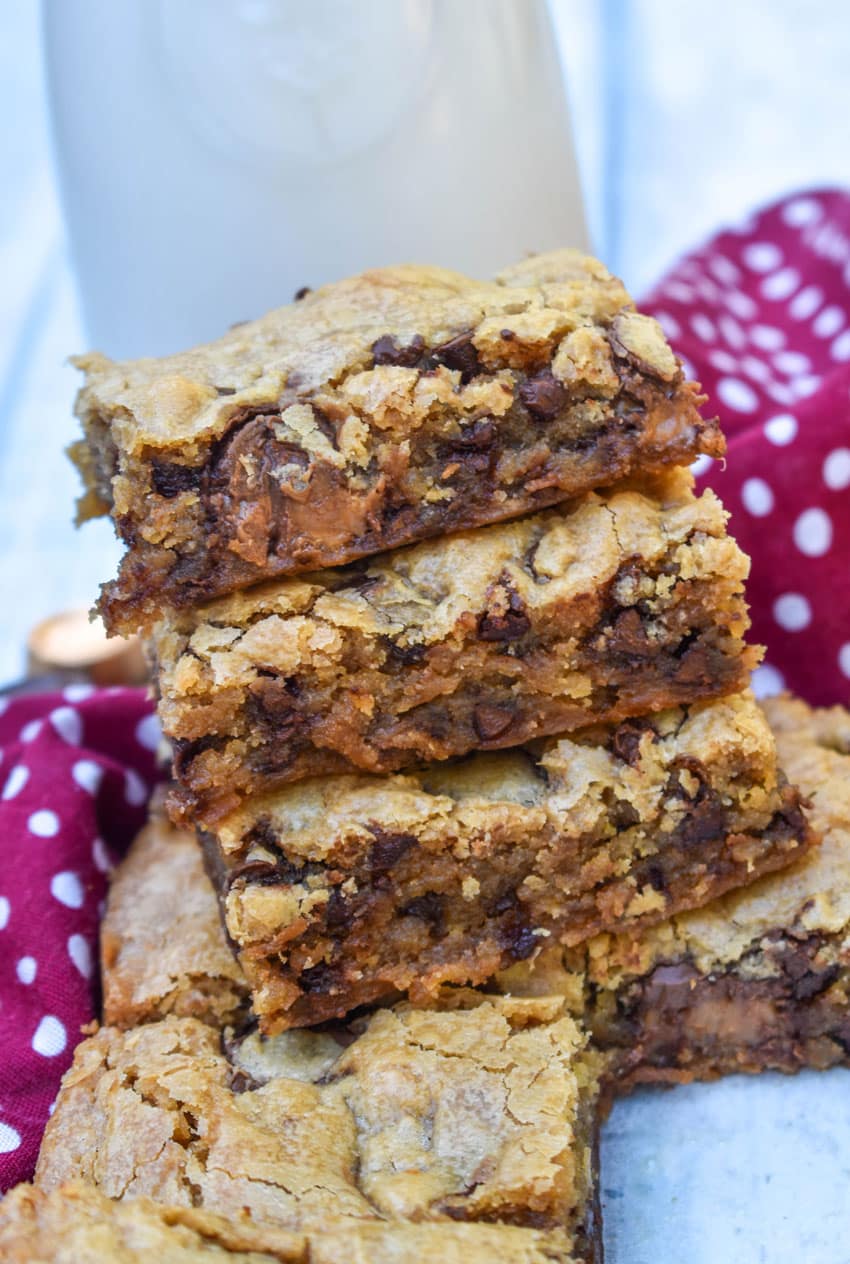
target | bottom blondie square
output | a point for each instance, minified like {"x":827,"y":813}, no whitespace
{"x":343,"y":891}
{"x":76,"y":1224}
{"x":468,"y":1127}
{"x":759,"y":979}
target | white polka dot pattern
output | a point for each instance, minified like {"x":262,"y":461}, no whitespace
{"x":74,"y":782}
{"x":765,"y":322}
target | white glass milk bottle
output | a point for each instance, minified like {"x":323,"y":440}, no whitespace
{"x":217,"y":155}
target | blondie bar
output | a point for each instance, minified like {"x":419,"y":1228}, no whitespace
{"x":340,"y":891}
{"x":759,"y":979}
{"x":477,"y":1117}
{"x":400,"y":404}
{"x":161,"y":942}
{"x":617,"y":604}
{"x":76,"y":1224}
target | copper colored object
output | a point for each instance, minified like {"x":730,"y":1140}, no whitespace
{"x":74,"y":646}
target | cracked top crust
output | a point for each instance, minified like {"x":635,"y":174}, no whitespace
{"x":326,"y":340}
{"x":809,"y":898}
{"x":419,"y":595}
{"x":162,"y":947}
{"x":76,"y":1224}
{"x":480,"y":1111}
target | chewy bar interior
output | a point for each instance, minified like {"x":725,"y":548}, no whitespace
{"x":400,"y":404}
{"x":338,"y":892}
{"x":614,"y":605}
{"x":762,"y":977}
{"x":477,"y":1117}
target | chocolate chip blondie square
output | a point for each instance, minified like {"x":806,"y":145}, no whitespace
{"x":340,"y":891}
{"x":616,"y":604}
{"x":403,"y":403}
{"x":459,"y":1130}
{"x":759,"y":979}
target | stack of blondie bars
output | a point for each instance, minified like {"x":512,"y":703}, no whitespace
{"x":450,"y":660}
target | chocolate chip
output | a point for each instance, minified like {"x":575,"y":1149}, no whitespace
{"x":628,"y":635}
{"x":624,"y":814}
{"x":625,"y":742}
{"x":169,"y":479}
{"x":337,"y":911}
{"x":385,"y":350}
{"x":492,"y":722}
{"x":543,"y":395}
{"x":508,"y":335}
{"x":260,"y":873}
{"x":319,"y":978}
{"x":521,"y":942}
{"x":475,"y":438}
{"x":225,"y":390}
{"x":242,"y":1082}
{"x":407,"y":655}
{"x":510,"y":626}
{"x":706,"y":820}
{"x":459,"y":354}
{"x":388,"y":849}
{"x":428,"y":908}
{"x":302,"y":293}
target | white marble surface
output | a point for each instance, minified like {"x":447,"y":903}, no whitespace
{"x":686,"y":116}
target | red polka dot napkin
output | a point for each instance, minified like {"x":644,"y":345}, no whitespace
{"x":761,"y":314}
{"x":76,"y":771}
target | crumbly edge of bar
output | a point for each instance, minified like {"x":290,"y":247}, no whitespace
{"x":162,"y":950}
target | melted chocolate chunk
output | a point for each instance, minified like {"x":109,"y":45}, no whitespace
{"x":242,"y":1082}
{"x":388,"y":849}
{"x":385,"y":350}
{"x":543,"y":395}
{"x":510,"y":626}
{"x":320,"y":978}
{"x":302,"y":293}
{"x":169,"y":480}
{"x":491,"y":722}
{"x":474,"y":438}
{"x":460,"y":355}
{"x":428,"y":908}
{"x":626,"y":739}
{"x":628,"y":635}
{"x":405,"y":654}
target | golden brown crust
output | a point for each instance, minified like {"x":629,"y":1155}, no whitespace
{"x":619,"y":604}
{"x":375,"y":412}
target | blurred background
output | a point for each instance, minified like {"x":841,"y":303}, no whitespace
{"x":685,"y":117}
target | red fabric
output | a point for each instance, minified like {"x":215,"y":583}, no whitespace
{"x":762,"y":316}
{"x":76,"y":772}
